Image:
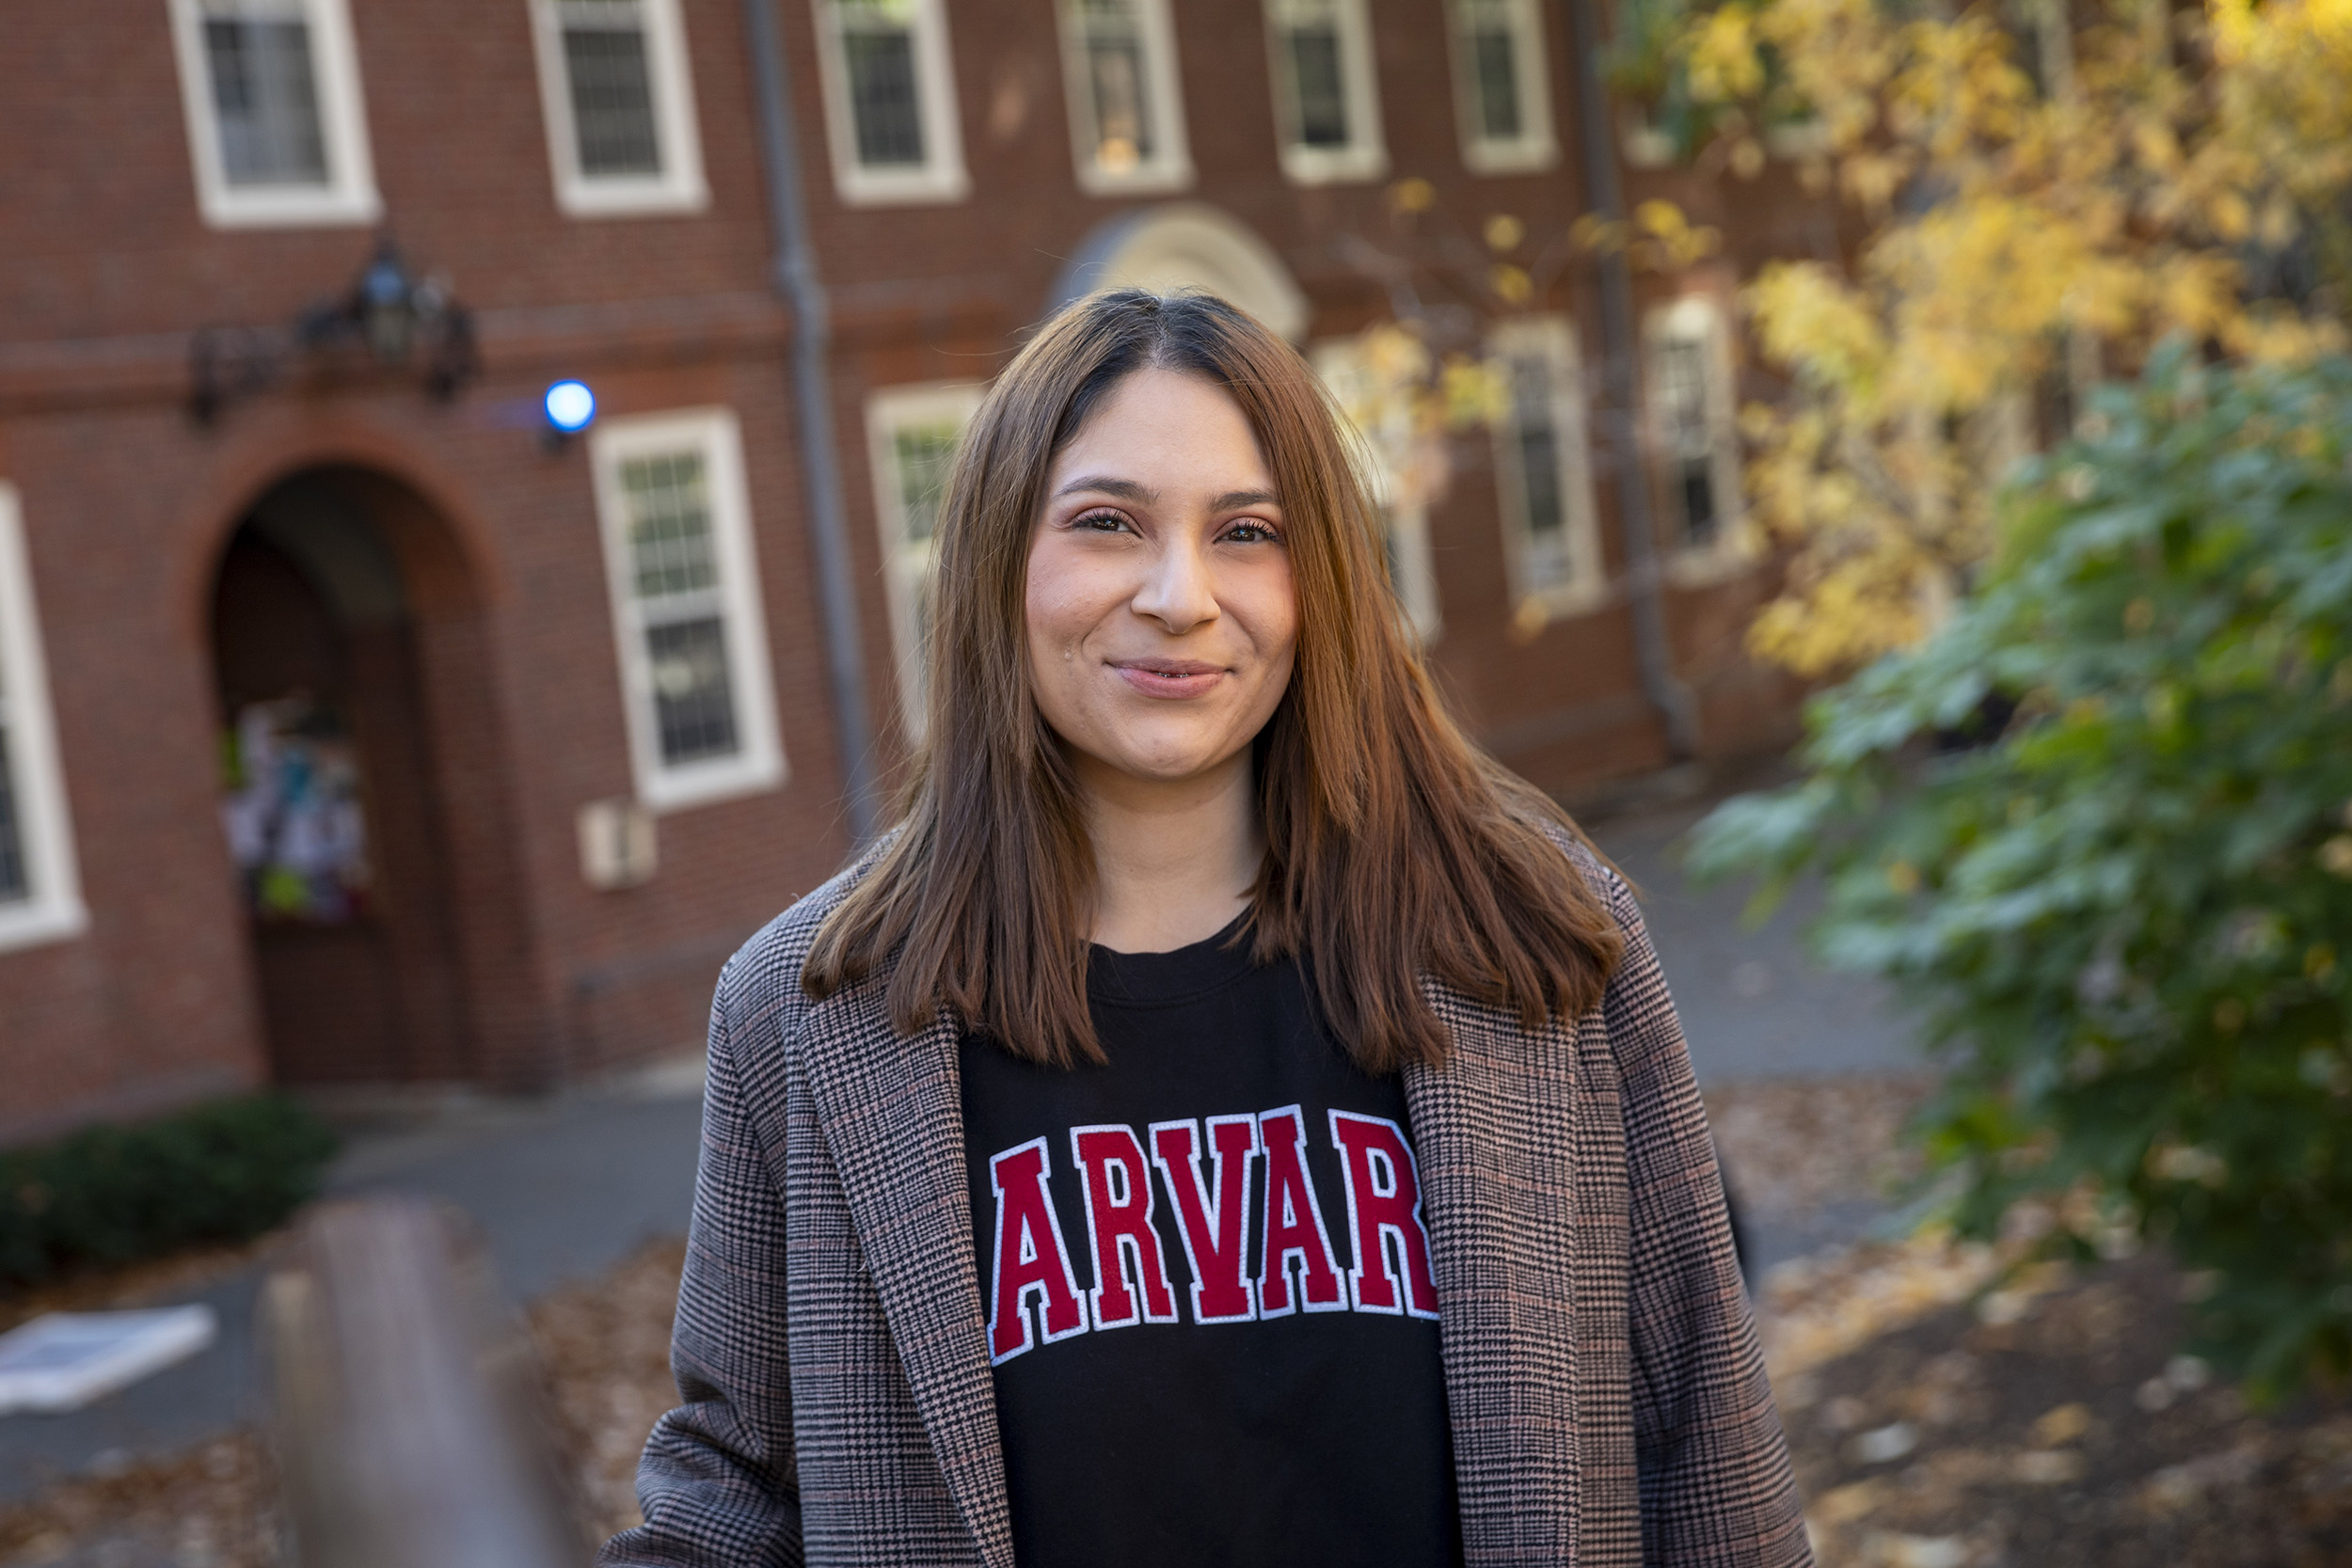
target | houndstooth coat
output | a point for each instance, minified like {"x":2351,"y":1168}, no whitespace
{"x":1608,"y":1400}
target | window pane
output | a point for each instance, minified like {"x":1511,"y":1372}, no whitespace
{"x":1315,"y":50}
{"x":1122,"y":131}
{"x":668,"y":501}
{"x":1538,"y":447}
{"x":611,"y":92}
{"x":883,"y":100}
{"x":1690,"y":435}
{"x":1682,"y":387}
{"x":1492,"y":53}
{"x":925,"y":455}
{"x":1699,"y":521}
{"x":1539,"y":457}
{"x":265,"y":99}
{"x":693,"y":700}
{"x":15,"y":881}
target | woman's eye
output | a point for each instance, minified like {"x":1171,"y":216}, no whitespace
{"x":1250,"y":532}
{"x":1100,"y":522}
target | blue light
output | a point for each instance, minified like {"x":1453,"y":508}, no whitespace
{"x":570,"y":406}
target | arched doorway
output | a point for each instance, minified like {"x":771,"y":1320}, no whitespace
{"x":1187,"y":245}
{"x":332,"y":772}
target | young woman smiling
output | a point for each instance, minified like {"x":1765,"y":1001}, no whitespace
{"x":1229,"y":1119}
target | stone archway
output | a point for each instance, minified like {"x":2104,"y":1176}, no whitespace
{"x":1187,"y":245}
{"x":360,"y":786}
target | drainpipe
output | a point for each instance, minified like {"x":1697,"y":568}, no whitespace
{"x":795,"y":279}
{"x":1652,"y":650}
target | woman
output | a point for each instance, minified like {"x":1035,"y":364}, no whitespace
{"x":1230,"y":1120}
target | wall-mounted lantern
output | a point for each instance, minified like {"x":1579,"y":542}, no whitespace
{"x":395,"y":317}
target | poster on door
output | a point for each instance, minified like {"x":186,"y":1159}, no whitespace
{"x":292,"y":815}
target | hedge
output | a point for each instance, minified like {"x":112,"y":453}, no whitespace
{"x":221,"y":1172}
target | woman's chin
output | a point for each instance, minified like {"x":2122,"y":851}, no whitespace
{"x":1169,"y":766}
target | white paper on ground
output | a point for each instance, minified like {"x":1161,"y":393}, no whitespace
{"x":64,"y":1360}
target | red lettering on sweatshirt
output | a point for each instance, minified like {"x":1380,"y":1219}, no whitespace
{"x":1384,"y":1205}
{"x":1291,"y":1226}
{"x":1212,"y":1217}
{"x":1117,"y":1181}
{"x":1030,"y":1260}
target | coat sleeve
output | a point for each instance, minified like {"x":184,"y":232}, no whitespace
{"x":1715,"y":1485}
{"x":718,"y":1483}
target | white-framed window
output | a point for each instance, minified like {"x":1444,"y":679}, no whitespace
{"x":618,"y":92}
{"x":276,"y":129}
{"x":676,"y":519}
{"x":1326,"y":93}
{"x":1695,"y":432}
{"x":890,"y":101}
{"x":1543,"y":467}
{"x":1501,"y":86}
{"x":1403,"y":518}
{"x":1126,"y":110}
{"x":911,"y":436}
{"x":40,"y":897}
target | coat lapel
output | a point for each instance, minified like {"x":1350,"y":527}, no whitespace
{"x":892,"y":1110}
{"x":1492,"y":1130}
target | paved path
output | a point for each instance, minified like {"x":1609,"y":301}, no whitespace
{"x":562,"y":1188}
{"x":1754,"y":1004}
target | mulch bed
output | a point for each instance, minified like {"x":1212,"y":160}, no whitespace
{"x":2071,"y":1434}
{"x":212,"y":1506}
{"x":1948,"y":1406}
{"x":606,"y":1348}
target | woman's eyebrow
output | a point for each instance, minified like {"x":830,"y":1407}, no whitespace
{"x":1125,"y":490}
{"x":1232,"y":499}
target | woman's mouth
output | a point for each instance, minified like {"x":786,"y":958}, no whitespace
{"x":1168,"y":677}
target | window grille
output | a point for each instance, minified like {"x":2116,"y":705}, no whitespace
{"x":609,"y":69}
{"x":1493,"y":46}
{"x":266,"y":99}
{"x":672,"y":497}
{"x":890,"y":101}
{"x":885,"y":96}
{"x":913,"y":432}
{"x":1538,"y":438}
{"x":1543,"y":475}
{"x":1117,"y":81}
{"x":1326,"y":93}
{"x":1319,"y":82}
{"x":1689,"y":431}
{"x":1502,"y":94}
{"x":278,"y":135}
{"x":677,"y":579}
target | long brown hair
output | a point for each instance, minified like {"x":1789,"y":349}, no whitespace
{"x":1394,"y":848}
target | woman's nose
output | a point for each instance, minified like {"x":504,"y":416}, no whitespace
{"x":1176,"y":590}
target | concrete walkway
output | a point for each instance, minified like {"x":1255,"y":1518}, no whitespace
{"x":1754,"y":1004}
{"x":564,"y":1187}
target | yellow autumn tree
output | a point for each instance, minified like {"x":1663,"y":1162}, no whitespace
{"x":2041,"y":192}
{"x":1416,"y":380}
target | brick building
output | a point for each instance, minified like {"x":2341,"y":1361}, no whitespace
{"x":353,"y":728}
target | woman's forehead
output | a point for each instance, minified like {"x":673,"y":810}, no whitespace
{"x":1160,"y":433}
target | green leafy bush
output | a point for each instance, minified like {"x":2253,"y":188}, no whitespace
{"x":220,"y":1172}
{"x":2099,"y":830}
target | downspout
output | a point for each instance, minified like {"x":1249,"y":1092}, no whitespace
{"x":795,"y":279}
{"x":1617,"y":416}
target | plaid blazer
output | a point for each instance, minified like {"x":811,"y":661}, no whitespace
{"x":1608,"y":1398}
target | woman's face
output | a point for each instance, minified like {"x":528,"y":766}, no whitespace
{"x":1162,"y":619}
